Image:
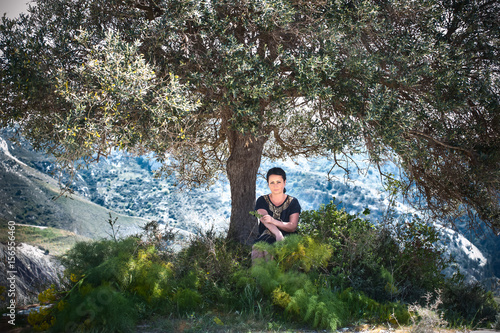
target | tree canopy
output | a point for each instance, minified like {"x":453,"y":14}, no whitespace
{"x":213,"y":86}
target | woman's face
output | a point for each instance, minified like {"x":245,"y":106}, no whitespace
{"x":276,"y":184}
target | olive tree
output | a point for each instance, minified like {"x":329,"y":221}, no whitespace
{"x":213,"y":86}
{"x":424,"y":86}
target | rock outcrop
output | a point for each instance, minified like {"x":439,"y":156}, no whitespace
{"x":32,"y":271}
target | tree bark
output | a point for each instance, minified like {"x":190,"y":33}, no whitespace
{"x":242,"y":167}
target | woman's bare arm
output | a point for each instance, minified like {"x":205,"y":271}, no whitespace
{"x":272,"y":228}
{"x":289,"y":226}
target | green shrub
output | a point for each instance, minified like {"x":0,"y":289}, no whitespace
{"x":333,"y":226}
{"x":362,"y":307}
{"x":218,"y":267}
{"x":187,"y":300}
{"x":112,"y":279}
{"x":396,"y":261}
{"x":286,"y":283}
{"x":496,"y":324}
{"x":319,"y":310}
{"x":213,"y":254}
{"x":354,"y":241}
{"x":302,"y":292}
{"x":148,"y":276}
{"x":246,"y":296}
{"x":468,"y":304}
{"x":102,"y":308}
{"x":125,"y":264}
{"x":339,"y":270}
{"x":414,"y":257}
{"x":84,"y":256}
{"x":298,"y":253}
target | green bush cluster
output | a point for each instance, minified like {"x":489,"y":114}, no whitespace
{"x":469,"y":304}
{"x":339,"y":270}
{"x":300,"y":283}
{"x":397,"y":261}
{"x":112,"y":284}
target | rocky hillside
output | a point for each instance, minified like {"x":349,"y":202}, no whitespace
{"x":27,"y":197}
{"x":33,"y":270}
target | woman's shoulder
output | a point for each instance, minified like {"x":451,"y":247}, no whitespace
{"x":263,"y":197}
{"x":289,"y":201}
{"x":261,"y":201}
{"x":294,"y":202}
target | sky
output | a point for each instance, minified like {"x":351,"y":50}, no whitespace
{"x":13,"y":7}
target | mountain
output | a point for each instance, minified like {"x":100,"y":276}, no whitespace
{"x":125,"y":185}
{"x":27,"y":197}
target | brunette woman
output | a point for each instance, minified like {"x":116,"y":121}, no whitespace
{"x":280,"y":212}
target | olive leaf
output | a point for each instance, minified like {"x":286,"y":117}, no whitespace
{"x":256,"y":214}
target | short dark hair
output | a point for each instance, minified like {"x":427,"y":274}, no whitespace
{"x":278,"y":172}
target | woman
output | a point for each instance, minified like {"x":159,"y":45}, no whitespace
{"x":280,"y":212}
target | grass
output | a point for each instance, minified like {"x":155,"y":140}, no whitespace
{"x":219,"y":322}
{"x":236,"y":323}
{"x":55,"y":241}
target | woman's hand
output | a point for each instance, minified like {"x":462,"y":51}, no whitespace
{"x":267,"y":219}
{"x":289,"y":226}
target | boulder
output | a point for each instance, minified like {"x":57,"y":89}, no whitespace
{"x":31,"y":271}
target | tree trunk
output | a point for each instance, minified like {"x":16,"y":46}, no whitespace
{"x":242,"y":167}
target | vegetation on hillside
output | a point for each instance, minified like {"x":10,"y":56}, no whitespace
{"x":52,"y":240}
{"x":340,"y":270}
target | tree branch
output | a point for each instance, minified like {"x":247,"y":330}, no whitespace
{"x":440,"y":143}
